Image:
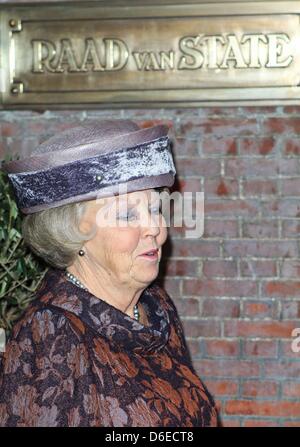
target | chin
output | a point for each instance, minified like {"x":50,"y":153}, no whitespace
{"x":147,"y":279}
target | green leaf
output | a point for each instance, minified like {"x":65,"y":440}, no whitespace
{"x":20,"y":269}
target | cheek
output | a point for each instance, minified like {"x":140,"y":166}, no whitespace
{"x":162,"y":237}
{"x":124,"y":240}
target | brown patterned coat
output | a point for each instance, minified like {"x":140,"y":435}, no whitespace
{"x":75,"y":360}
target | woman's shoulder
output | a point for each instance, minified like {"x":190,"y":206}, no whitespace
{"x":42,"y":323}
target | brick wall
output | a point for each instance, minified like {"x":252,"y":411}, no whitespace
{"x":237,"y":288}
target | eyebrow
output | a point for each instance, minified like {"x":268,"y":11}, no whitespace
{"x":134,"y":205}
{"x":130,"y":205}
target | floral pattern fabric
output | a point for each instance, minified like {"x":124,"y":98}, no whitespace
{"x":74,"y":360}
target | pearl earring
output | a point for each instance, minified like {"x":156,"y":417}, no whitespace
{"x":81,"y":253}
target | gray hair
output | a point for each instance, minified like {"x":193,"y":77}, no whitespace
{"x":53,"y":234}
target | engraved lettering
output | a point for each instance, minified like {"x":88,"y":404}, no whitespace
{"x":66,"y":57}
{"x":233,"y":52}
{"x":140,"y":59}
{"x":212,"y":50}
{"x":254,"y":39}
{"x":277,"y":48}
{"x":196,"y":59}
{"x":91,"y":57}
{"x":43,"y":54}
{"x":117,"y":54}
{"x":166,"y":59}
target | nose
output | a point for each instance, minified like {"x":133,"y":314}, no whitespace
{"x":150,"y":223}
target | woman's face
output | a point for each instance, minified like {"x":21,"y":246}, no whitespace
{"x":127,"y":226}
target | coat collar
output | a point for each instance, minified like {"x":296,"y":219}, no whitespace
{"x":122,"y":331}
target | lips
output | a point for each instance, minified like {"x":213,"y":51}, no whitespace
{"x":150,"y":252}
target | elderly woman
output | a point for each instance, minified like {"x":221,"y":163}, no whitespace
{"x":101,"y":344}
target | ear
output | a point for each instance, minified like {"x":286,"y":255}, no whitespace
{"x":88,"y":217}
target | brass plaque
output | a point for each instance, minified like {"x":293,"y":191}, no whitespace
{"x":139,"y":54}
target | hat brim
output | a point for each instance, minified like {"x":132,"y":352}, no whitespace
{"x":57,"y":158}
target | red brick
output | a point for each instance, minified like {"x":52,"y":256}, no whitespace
{"x":290,"y":268}
{"x":220,"y":111}
{"x":290,"y":228}
{"x":261,"y":348}
{"x":219,"y":186}
{"x":257,"y":146}
{"x":220,"y":268}
{"x":172,"y":286}
{"x":258,"y":268}
{"x":199,"y":248}
{"x":288,"y":167}
{"x":289,"y":110}
{"x":282,"y":368}
{"x":230,"y":422}
{"x":10,"y":129}
{"x":291,"y":147}
{"x":189,"y":184}
{"x":250,"y":328}
{"x":153,"y":122}
{"x":218,"y":127}
{"x":182,"y":233}
{"x":177,"y":232}
{"x":256,"y":423}
{"x":187,"y":306}
{"x":220,"y":308}
{"x":220,"y":228}
{"x":219,"y":287}
{"x":287,"y":350}
{"x":254,"y":388}
{"x":291,"y":186}
{"x":259,"y":110}
{"x":222,"y":387}
{"x":201,"y":328}
{"x":273,"y":249}
{"x":251,"y":167}
{"x":282,"y":288}
{"x":186,"y":148}
{"x":290,"y":309}
{"x":219,"y":146}
{"x":194,"y":347}
{"x":222,"y":348}
{"x":230,"y":207}
{"x":226,"y":368}
{"x":37,"y":127}
{"x":259,"y":309}
{"x":264,"y":408}
{"x":259,"y":167}
{"x":260,"y":187}
{"x":260,"y":229}
{"x":291,"y":389}
{"x":287,"y":207}
{"x":282,"y":125}
{"x":182,"y":267}
{"x":196,"y":166}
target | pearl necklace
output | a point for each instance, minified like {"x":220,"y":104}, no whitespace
{"x":72,"y":278}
